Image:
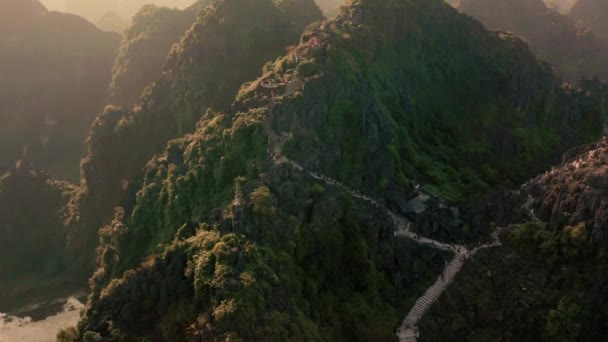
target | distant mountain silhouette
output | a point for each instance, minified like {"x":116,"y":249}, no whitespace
{"x":55,"y":70}
{"x":111,"y":21}
{"x":573,"y":51}
{"x":594,"y":14}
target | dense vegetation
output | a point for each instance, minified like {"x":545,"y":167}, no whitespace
{"x":543,"y":285}
{"x":574,"y":193}
{"x":226,"y":46}
{"x":143,"y":51}
{"x":191,"y":227}
{"x":291,"y":261}
{"x":423,"y":119}
{"x":548,"y":282}
{"x":217,"y":242}
{"x":55,"y":72}
{"x":573,"y":51}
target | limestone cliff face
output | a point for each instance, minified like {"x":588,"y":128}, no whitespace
{"x":574,"y":193}
{"x":243,"y":230}
{"x":548,"y":280}
{"x":55,"y":72}
{"x":291,"y":256}
{"x":573,"y":51}
{"x":571,"y":193}
{"x":542,"y":284}
{"x":144,"y":49}
{"x":225,"y":46}
{"x":392,"y":137}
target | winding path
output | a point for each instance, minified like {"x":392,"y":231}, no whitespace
{"x":408,"y":331}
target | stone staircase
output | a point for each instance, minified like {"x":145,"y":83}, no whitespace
{"x":408,"y":331}
{"x":410,"y":335}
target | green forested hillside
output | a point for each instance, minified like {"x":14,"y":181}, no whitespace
{"x":542,"y":285}
{"x":262,"y":173}
{"x":226,"y":46}
{"x":548,"y":281}
{"x":225,"y":240}
{"x":144,"y":49}
{"x":422,"y":117}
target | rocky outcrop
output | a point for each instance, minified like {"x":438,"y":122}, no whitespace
{"x":339,"y":134}
{"x":228,"y":44}
{"x":145,"y":47}
{"x":238,"y":228}
{"x":543,"y":284}
{"x":547,"y":282}
{"x":220,"y":274}
{"x":574,"y":192}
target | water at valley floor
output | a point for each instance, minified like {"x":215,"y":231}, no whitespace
{"x":44,"y":329}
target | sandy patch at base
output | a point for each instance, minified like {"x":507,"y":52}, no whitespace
{"x":16,"y":329}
